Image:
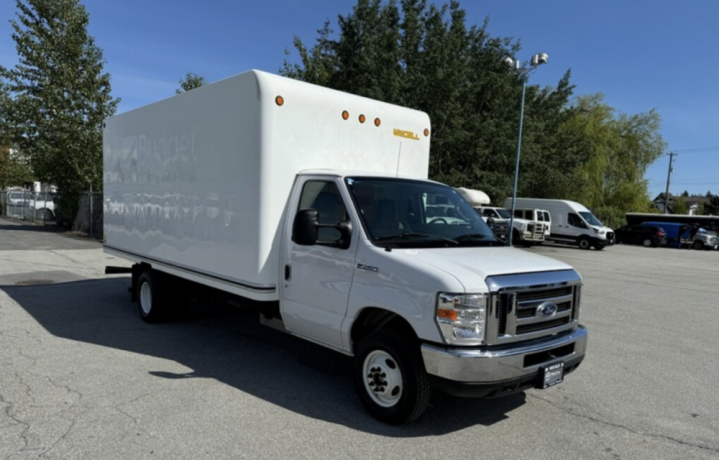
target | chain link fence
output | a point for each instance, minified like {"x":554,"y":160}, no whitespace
{"x":43,"y":208}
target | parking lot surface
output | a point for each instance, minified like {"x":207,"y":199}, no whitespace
{"x":82,"y":377}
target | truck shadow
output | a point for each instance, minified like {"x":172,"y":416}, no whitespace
{"x":229,"y":345}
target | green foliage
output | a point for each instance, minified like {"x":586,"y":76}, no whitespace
{"x":426,"y":57}
{"x":712,"y":207}
{"x":60,"y":95}
{"x":611,"y":216}
{"x":190,"y":82}
{"x":14,"y":168}
{"x":680,"y":205}
{"x":619,"y":149}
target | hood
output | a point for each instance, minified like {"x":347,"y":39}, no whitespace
{"x":471,"y":266}
{"x":601,"y":229}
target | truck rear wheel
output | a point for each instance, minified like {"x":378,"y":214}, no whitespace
{"x":390,"y":377}
{"x":150,"y":297}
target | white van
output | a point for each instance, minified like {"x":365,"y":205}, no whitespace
{"x":571,"y":222}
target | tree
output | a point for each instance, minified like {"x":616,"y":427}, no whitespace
{"x":426,"y":57}
{"x":14,"y":166}
{"x":711,"y":208}
{"x":680,"y":205}
{"x":619,"y":149}
{"x":60,"y":96}
{"x":190,"y":82}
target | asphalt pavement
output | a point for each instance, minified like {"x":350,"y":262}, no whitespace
{"x":82,"y":377}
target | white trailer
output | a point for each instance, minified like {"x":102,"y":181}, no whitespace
{"x":315,"y":204}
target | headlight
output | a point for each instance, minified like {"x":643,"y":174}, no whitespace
{"x":462,"y":318}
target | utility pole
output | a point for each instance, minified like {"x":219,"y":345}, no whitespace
{"x":669,"y":175}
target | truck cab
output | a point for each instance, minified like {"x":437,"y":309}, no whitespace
{"x":361,"y":251}
{"x":526,"y":232}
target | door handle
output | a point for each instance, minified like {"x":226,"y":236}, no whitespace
{"x":288,"y":273}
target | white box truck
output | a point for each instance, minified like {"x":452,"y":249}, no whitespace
{"x":314,"y":204}
{"x":571,"y":223}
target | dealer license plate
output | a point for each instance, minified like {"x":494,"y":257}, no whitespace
{"x":553,"y":374}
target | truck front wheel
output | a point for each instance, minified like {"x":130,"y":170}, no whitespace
{"x":584,"y":243}
{"x":390,"y":377}
{"x":150,"y":297}
{"x":698,"y":245}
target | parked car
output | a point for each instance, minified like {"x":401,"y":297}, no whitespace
{"x":680,"y":236}
{"x":646,"y":235}
{"x":24,"y":204}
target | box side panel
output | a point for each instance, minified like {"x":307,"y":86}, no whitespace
{"x":182,"y":179}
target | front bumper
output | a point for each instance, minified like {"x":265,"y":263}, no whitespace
{"x":501,"y":370}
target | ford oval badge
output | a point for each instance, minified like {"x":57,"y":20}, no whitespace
{"x":547,"y":309}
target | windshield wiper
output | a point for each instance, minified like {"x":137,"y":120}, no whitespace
{"x":471,"y":236}
{"x":478,"y":236}
{"x":412,"y":235}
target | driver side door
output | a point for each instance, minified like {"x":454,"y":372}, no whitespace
{"x":317,"y":279}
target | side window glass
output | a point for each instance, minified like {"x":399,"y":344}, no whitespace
{"x":325,"y":198}
{"x":575,"y":221}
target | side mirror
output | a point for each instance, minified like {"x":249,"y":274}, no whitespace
{"x":345,"y":229}
{"x":304,"y":227}
{"x":490,"y":222}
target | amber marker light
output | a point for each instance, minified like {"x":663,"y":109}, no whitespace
{"x":345,"y":115}
{"x":377,"y":122}
{"x":447,"y":314}
{"x":426,"y":132}
{"x":362,"y":119}
{"x":279,"y":100}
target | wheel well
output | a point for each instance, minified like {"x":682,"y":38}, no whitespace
{"x":374,"y":319}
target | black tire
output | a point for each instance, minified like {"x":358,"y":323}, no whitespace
{"x":648,"y":243}
{"x":698,"y":245}
{"x":515,"y":237}
{"x":151,"y":299}
{"x":44,"y":215}
{"x":584,"y":243}
{"x":387,"y":359}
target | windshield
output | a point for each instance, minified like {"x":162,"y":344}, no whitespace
{"x":591,"y":220}
{"x":504,"y":213}
{"x":409,"y":213}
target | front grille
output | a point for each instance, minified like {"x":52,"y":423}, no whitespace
{"x":544,"y":294}
{"x":533,"y":305}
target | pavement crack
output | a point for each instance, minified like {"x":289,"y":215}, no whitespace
{"x":623,"y":427}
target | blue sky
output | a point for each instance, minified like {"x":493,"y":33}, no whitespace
{"x":641,"y":54}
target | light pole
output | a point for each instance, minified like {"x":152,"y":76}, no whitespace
{"x":537,"y":60}
{"x":669,"y":175}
